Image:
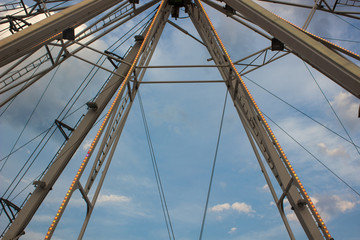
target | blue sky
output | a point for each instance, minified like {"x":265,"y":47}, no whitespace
{"x":184,"y":121}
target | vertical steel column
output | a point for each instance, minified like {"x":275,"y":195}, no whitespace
{"x":255,"y":123}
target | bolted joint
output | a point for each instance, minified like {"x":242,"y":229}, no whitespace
{"x":277,"y":45}
{"x":92,"y":105}
{"x":229,"y":10}
{"x":69,"y":34}
{"x":139,"y":38}
{"x":301,"y":203}
{"x":40,"y":184}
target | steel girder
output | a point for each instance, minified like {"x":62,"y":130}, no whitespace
{"x":322,"y":58}
{"x":142,"y":52}
{"x":35,"y":36}
{"x":259,"y":132}
{"x":333,"y":65}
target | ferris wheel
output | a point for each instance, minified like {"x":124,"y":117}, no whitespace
{"x":107,"y":106}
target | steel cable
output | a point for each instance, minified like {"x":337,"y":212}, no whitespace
{"x":336,"y":115}
{"x":317,"y":159}
{"x":156,"y":172}
{"x":213,"y":167}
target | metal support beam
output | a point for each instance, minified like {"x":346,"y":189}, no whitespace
{"x":35,"y":36}
{"x":253,"y":120}
{"x":112,"y":128}
{"x":333,"y":65}
{"x":64,"y":156}
{"x":255,"y":123}
{"x":16,"y":78}
{"x":268,"y":181}
{"x":326,"y":8}
{"x":79,"y":134}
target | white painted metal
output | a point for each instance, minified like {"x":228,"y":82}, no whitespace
{"x":254,"y":123}
{"x":327,"y":61}
{"x":35,"y":36}
{"x":333,"y":65}
{"x":64,"y":156}
{"x":16,"y":78}
{"x":150,"y":46}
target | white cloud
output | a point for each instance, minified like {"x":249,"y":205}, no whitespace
{"x":220,"y":207}
{"x":242,"y":207}
{"x":232,"y":230}
{"x":291,"y":217}
{"x":290,"y":214}
{"x":264,"y":188}
{"x":239,"y":207}
{"x":347,"y":107}
{"x":335,"y":152}
{"x":334,"y":205}
{"x":112,"y":198}
{"x":343,"y":205}
{"x":86,"y":144}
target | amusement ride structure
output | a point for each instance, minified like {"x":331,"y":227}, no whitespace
{"x":32,"y":51}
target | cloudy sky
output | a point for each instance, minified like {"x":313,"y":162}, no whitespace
{"x":184,"y":121}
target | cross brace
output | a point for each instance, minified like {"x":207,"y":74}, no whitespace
{"x":253,"y":120}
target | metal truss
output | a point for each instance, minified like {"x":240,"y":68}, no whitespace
{"x":126,"y":79}
{"x":57,"y":51}
{"x":21,"y":13}
{"x":117,"y":119}
{"x":112,"y":125}
{"x":353,"y":3}
{"x":259,"y":131}
{"x":258,"y":59}
{"x":326,"y":6}
{"x":9,"y":208}
{"x":330,"y":63}
{"x":51,"y":28}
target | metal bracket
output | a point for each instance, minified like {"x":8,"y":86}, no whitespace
{"x":136,"y":85}
{"x":301,"y":203}
{"x":68,"y":34}
{"x":281,"y":199}
{"x":116,"y":65}
{"x":92,"y":105}
{"x":84,"y":195}
{"x":15,"y":23}
{"x":229,"y":10}
{"x":41,"y":184}
{"x":129,"y":91}
{"x":62,"y":125}
{"x":277,"y":45}
{"x":6,"y":204}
